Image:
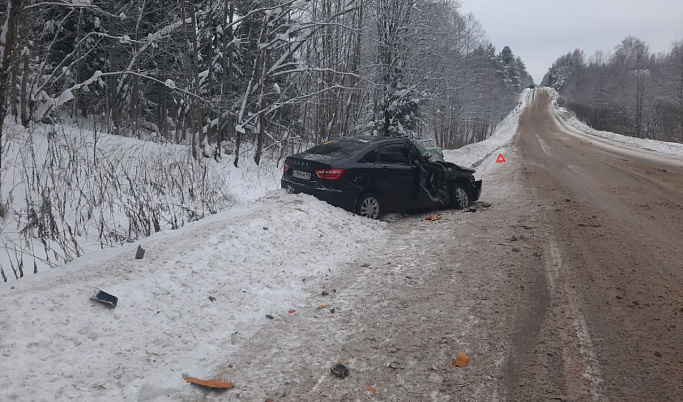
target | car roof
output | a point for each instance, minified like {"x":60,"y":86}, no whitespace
{"x":369,"y":139}
{"x":362,"y":142}
{"x":362,"y":138}
{"x":349,"y":146}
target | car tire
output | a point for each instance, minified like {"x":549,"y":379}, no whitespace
{"x":369,"y":206}
{"x":460,"y":198}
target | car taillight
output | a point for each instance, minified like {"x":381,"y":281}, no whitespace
{"x":329,"y":174}
{"x":286,"y":167}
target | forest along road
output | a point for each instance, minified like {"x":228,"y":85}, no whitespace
{"x":567,"y":287}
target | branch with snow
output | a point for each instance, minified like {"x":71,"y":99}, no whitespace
{"x":72,"y":4}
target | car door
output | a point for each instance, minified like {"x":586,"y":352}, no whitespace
{"x":396,"y":175}
{"x":416,"y":161}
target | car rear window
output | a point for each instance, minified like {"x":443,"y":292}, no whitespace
{"x":337,"y":149}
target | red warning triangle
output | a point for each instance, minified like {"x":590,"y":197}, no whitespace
{"x":500,"y":159}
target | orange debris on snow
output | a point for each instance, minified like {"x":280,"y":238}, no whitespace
{"x":461,"y":360}
{"x":214,"y":383}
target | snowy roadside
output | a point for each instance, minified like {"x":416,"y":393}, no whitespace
{"x":181,"y":309}
{"x":472,"y":155}
{"x":640,"y":147}
{"x":187,"y":306}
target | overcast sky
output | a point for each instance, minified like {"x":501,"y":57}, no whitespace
{"x":539,"y":31}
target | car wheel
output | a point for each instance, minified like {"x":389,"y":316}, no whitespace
{"x":369,"y":206}
{"x":459,"y":197}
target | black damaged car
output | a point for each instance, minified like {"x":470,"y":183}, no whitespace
{"x":373,"y":175}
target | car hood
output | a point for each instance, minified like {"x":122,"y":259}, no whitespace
{"x":463,"y":169}
{"x":456,"y":168}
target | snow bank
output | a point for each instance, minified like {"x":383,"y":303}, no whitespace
{"x":471,"y":155}
{"x":198,"y":293}
{"x":93,"y":191}
{"x":643,"y":147}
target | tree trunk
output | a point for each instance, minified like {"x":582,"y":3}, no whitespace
{"x":354,"y":96}
{"x":25,"y":118}
{"x":163,"y":113}
{"x":259,"y":107}
{"x":255,"y":77}
{"x":225,"y":122}
{"x":261,"y":136}
{"x":13,"y":77}
{"x":197,"y":115}
{"x":17,"y":93}
{"x":76,"y":99}
{"x":135,"y":106}
{"x":7,"y":52}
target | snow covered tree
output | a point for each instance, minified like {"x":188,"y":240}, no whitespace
{"x":213,"y":74}
{"x":631,"y":91}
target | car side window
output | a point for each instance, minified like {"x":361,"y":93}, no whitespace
{"x":414,"y":156}
{"x":394,"y":154}
{"x":370,"y":157}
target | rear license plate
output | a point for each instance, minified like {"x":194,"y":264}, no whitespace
{"x":301,"y":175}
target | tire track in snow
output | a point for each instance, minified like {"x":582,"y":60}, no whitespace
{"x":559,"y":287}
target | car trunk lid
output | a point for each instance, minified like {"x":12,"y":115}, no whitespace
{"x":301,"y":168}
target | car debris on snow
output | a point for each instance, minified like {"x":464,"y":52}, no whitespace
{"x":140,"y":253}
{"x":340,"y":370}
{"x":104,"y":297}
{"x":461,"y":360}
{"x":213,"y":383}
{"x":589,"y":225}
